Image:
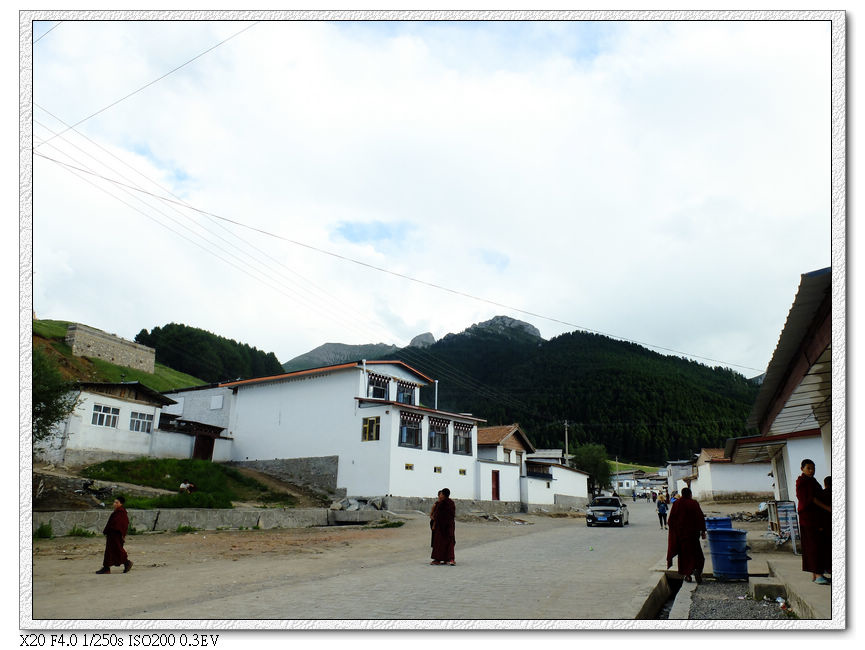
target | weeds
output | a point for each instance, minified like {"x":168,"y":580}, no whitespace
{"x":186,"y":529}
{"x":385,"y":523}
{"x":44,"y":531}
{"x":77,"y":531}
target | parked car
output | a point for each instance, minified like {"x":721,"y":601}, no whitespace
{"x":607,"y":511}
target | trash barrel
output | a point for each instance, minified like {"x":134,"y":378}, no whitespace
{"x":729,"y":553}
{"x":718,"y":522}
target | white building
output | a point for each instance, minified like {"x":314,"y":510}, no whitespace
{"x":717,"y":478}
{"x":120,"y":421}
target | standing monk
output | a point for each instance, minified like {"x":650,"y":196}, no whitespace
{"x":115,"y":534}
{"x":444,"y":515}
{"x":815,"y":513}
{"x":687,"y":525}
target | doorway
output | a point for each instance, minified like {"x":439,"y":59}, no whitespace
{"x":495,"y":485}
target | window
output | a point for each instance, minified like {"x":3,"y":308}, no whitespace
{"x":105,"y":416}
{"x":462,"y":438}
{"x":409,"y":467}
{"x":409,"y":430}
{"x":404,"y":393}
{"x":141,"y":422}
{"x":507,"y":455}
{"x":438,"y":435}
{"x":377,"y":386}
{"x":462,"y":472}
{"x":437,"y":470}
{"x":371,"y":428}
{"x":215,"y":402}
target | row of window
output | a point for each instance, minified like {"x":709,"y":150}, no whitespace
{"x":377,"y":388}
{"x":410,"y":433}
{"x":107,"y":416}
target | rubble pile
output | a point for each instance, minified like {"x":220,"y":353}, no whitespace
{"x":750,"y":516}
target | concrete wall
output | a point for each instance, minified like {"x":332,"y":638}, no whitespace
{"x":463,"y":506}
{"x":90,"y":342}
{"x":317,"y":473}
{"x":207,"y":405}
{"x":170,"y":519}
{"x":509,"y":480}
{"x":732,"y":482}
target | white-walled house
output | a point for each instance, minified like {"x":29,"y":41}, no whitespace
{"x":118,"y":421}
{"x":717,"y":478}
{"x":551,"y":483}
{"x":360,"y":423}
{"x":501,"y":462}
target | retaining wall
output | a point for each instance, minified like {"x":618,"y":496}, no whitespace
{"x":463,"y":506}
{"x":318,"y":472}
{"x":90,"y":342}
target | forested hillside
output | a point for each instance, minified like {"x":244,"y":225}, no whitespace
{"x":211,"y":357}
{"x":639,"y":404}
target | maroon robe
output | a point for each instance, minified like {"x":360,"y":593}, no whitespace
{"x":814,"y":526}
{"x":443,"y":531}
{"x":686,"y":524}
{"x":115,"y":534}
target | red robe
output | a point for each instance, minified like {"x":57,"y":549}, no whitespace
{"x":814,"y":526}
{"x":686,"y":524}
{"x":443,"y":531}
{"x":115,"y":534}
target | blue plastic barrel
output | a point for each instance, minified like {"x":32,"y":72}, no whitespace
{"x":729,"y":553}
{"x":718,"y":522}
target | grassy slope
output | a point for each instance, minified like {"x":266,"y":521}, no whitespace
{"x":89,"y":369}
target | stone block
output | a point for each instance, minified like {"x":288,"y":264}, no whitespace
{"x":769,"y":587}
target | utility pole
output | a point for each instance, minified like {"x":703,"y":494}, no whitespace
{"x":566,"y":444}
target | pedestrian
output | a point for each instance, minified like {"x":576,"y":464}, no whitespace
{"x":654,"y":497}
{"x":814,"y":524}
{"x":115,"y":535}
{"x":443,"y":540}
{"x":634,"y":495}
{"x":687,"y":525}
{"x":662,"y":512}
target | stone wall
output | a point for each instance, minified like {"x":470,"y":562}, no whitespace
{"x":90,"y":342}
{"x":317,"y":473}
{"x":463,"y":506}
{"x":203,"y":519}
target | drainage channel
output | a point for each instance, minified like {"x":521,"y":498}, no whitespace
{"x":674,"y":586}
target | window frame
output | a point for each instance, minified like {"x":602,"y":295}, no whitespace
{"x":439,"y":428}
{"x":462,"y":438}
{"x":105,"y":416}
{"x":410,"y":422}
{"x":405,"y":391}
{"x":377,"y":383}
{"x":141,"y":422}
{"x":365,"y":435}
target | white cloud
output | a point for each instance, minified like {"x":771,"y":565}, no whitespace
{"x":666,"y":182}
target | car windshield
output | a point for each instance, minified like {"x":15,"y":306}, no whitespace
{"x":606,"y":502}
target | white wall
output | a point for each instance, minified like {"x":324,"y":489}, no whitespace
{"x":208,"y":405}
{"x":509,"y":480}
{"x":82,"y":435}
{"x":570,"y":483}
{"x":167,"y":444}
{"x":717,"y":480}
{"x":536,"y":490}
{"x":795,"y":451}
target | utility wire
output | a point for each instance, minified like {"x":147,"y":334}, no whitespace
{"x":59,"y":22}
{"x":408,"y":277}
{"x":147,"y":85}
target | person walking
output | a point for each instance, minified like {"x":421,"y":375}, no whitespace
{"x":814,"y":523}
{"x":687,"y":525}
{"x":662,"y":512}
{"x":443,"y":542}
{"x":115,"y":535}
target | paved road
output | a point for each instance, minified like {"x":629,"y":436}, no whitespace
{"x":553,"y":569}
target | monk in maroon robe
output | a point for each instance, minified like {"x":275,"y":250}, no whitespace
{"x":687,"y":525}
{"x":115,"y":534}
{"x":814,"y":524}
{"x":444,"y":515}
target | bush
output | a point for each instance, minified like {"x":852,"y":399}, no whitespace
{"x":181,"y":500}
{"x":186,"y":529}
{"x":44,"y":531}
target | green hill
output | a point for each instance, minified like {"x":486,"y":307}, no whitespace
{"x":50,"y":334}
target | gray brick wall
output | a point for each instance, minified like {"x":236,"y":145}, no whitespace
{"x":90,"y":342}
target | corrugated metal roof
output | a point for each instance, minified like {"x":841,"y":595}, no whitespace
{"x":813,"y":396}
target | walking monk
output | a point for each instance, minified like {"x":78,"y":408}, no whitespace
{"x":687,"y":525}
{"x":443,"y":541}
{"x":115,"y":534}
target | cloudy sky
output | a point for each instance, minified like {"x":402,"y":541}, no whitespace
{"x":306,"y":182}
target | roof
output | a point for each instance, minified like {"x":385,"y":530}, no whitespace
{"x":796,"y":393}
{"x":136,"y":386}
{"x":755,"y":449}
{"x":314,"y":371}
{"x":413,"y":407}
{"x":497,"y":435}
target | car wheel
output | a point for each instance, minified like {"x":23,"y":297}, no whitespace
{"x":621,"y":523}
{"x":588,"y":524}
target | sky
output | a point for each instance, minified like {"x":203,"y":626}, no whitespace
{"x":308,"y":182}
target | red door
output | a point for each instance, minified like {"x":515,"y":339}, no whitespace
{"x":495,"y":485}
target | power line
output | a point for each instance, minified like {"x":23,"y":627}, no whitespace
{"x":407,"y":277}
{"x":147,"y":85}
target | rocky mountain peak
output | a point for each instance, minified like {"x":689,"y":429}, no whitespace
{"x":422,"y":340}
{"x":506,"y":325}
